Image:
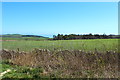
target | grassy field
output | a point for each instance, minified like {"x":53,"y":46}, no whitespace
{"x":86,"y":45}
{"x":25,"y":38}
{"x":93,"y":58}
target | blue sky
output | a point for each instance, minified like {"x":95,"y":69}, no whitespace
{"x":49,"y":18}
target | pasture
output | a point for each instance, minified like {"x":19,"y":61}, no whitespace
{"x":24,"y":38}
{"x":91,"y":58}
{"x":86,"y":45}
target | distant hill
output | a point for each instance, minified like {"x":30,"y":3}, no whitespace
{"x":11,"y":35}
{"x":19,"y":35}
{"x":22,"y":37}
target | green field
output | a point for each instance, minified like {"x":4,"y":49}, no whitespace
{"x":25,"y":38}
{"x":86,"y":45}
{"x":69,"y":62}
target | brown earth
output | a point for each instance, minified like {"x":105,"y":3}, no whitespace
{"x":67,"y":63}
{"x":8,"y":40}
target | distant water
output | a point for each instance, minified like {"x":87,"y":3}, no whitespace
{"x":50,"y":36}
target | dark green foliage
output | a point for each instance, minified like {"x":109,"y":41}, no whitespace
{"x":85,"y":36}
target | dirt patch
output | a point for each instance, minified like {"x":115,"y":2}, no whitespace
{"x":8,"y":40}
{"x":67,"y":63}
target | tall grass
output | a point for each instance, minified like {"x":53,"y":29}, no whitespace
{"x":86,"y":45}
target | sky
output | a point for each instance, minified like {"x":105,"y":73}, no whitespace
{"x":60,"y":0}
{"x":50,"y":18}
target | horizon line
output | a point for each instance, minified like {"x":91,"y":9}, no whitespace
{"x":51,"y":35}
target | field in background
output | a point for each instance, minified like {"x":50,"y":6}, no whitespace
{"x":13,"y":37}
{"x":86,"y":45}
{"x":25,"y":38}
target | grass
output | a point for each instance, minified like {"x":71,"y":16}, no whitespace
{"x":86,"y":45}
{"x":20,"y":71}
{"x":93,"y":58}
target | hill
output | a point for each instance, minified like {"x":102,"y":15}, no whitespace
{"x":22,"y":37}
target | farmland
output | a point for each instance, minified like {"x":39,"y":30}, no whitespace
{"x":22,"y":37}
{"x":88,"y":58}
{"x":86,"y":45}
{"x":54,"y":40}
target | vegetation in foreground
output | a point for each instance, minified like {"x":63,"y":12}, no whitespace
{"x":20,"y":71}
{"x":96,"y":58}
{"x":61,"y":64}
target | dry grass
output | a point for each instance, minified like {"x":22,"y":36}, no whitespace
{"x":67,"y":63}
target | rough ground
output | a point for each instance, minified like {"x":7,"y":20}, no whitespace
{"x":67,"y":63}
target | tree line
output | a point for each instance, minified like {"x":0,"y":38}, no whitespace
{"x":85,"y":36}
